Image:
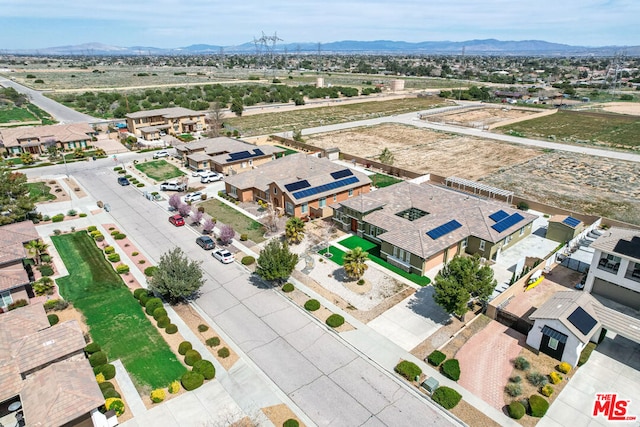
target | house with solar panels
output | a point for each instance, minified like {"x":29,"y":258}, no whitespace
{"x":421,"y":226}
{"x":225,"y":155}
{"x":299,"y":185}
{"x":563,"y":228}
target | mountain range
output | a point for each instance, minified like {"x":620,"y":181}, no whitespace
{"x":470,"y":47}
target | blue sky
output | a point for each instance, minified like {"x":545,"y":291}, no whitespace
{"x":32,"y":24}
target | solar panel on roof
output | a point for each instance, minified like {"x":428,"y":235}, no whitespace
{"x":628,"y":248}
{"x":445,"y":228}
{"x":341,"y":174}
{"x":325,"y":187}
{"x":298,"y":185}
{"x":258,"y":152}
{"x":498,"y":216}
{"x":239,"y":155}
{"x":571,"y":221}
{"x":582,"y":320}
{"x":509,"y":221}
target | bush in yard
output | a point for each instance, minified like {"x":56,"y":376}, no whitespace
{"x":516,"y":410}
{"x":157,"y":395}
{"x":111,"y":393}
{"x":106,"y":386}
{"x":564,"y":367}
{"x":174,"y":387}
{"x":120,"y":236}
{"x":244,"y":237}
{"x":555,"y":377}
{"x":513,"y":390}
{"x":248,"y":260}
{"x":205,"y":368}
{"x":517,"y":379}
{"x":100,"y":378}
{"x":159,"y":312}
{"x":98,"y":358}
{"x":108,"y":370}
{"x":152,"y":304}
{"x":521,"y":363}
{"x":139,"y":292}
{"x":53,"y":319}
{"x":184,"y":347}
{"x":171,"y":329}
{"x":536,"y":379}
{"x":213,"y":341}
{"x":451,"y":369}
{"x":335,"y":320}
{"x":46,"y":270}
{"x":224,"y":352}
{"x":150,"y":271}
{"x":202,"y":328}
{"x":312,"y":305}
{"x":163,"y":322}
{"x":291,"y":423}
{"x":55,"y":305}
{"x":92,"y":347}
{"x":115,"y":404}
{"x":547,"y":390}
{"x":17,"y":304}
{"x":122,"y":268}
{"x":97,"y":369}
{"x":409,"y":370}
{"x":446,"y":397}
{"x":436,"y":358}
{"x":538,"y":406}
{"x":109,"y":250}
{"x":288,"y":287}
{"x":113,"y":257}
{"x":57,"y":218}
{"x":191,"y":380}
{"x":114,"y":232}
{"x":92,"y":228}
{"x":82,"y":215}
{"x":144,"y":298}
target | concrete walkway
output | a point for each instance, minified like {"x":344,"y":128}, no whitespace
{"x":129,"y":392}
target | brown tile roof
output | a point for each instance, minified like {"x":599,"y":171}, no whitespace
{"x":173,"y":113}
{"x":60,"y":393}
{"x":13,"y":237}
{"x":10,"y":379}
{"x":609,"y":239}
{"x":58,"y":133}
{"x":19,"y":323}
{"x":13,"y":276}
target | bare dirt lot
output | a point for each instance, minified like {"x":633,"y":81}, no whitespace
{"x":482,"y":116}
{"x":621,"y":108}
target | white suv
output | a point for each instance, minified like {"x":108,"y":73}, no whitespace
{"x":210,"y":177}
{"x":161,"y":153}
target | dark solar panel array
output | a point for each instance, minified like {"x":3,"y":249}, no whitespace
{"x":509,"y":221}
{"x":258,"y":152}
{"x":341,"y":174}
{"x":298,"y":185}
{"x":325,"y":187}
{"x":444,"y":229}
{"x":582,"y":320}
{"x":498,"y":216}
{"x":571,"y":221}
{"x":241,"y":155}
{"x":628,"y":248}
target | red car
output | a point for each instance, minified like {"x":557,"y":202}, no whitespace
{"x":176,"y":220}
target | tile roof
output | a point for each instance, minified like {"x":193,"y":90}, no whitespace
{"x":13,"y":276}
{"x":59,"y":133}
{"x":173,"y":113}
{"x":13,"y":237}
{"x":10,"y":379}
{"x":608,"y":241}
{"x":562,"y":304}
{"x":19,"y":323}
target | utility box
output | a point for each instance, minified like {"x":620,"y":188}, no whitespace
{"x":430,"y":385}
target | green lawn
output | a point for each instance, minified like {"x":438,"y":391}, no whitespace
{"x":380,"y":180}
{"x":40,"y":192}
{"x":159,"y":170}
{"x":241,"y":223}
{"x":337,"y":255}
{"x":288,"y":151}
{"x":16,"y":114}
{"x":115,"y":319}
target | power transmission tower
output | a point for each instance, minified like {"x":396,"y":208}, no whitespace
{"x":462,"y":71}
{"x":318,"y":57}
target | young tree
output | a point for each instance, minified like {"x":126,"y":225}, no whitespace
{"x":214,"y":117}
{"x":226,"y":234}
{"x":460,"y":280}
{"x":208,"y":226}
{"x":354,"y":263}
{"x":237,"y":107}
{"x":197,"y":216}
{"x":177,"y":276}
{"x":276,"y":262}
{"x":386,"y":157}
{"x":294,"y":230}
{"x":175,"y":202}
{"x":15,"y":202}
{"x":184,"y":209}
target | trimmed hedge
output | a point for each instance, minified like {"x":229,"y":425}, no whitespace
{"x":213,"y":341}
{"x":53,"y":319}
{"x":113,"y":257}
{"x":191,"y":380}
{"x":312,"y":305}
{"x":139,"y":292}
{"x":436,"y":358}
{"x":159,"y":312}
{"x":291,"y":423}
{"x":115,"y":404}
{"x":247,"y":260}
{"x":105,"y":386}
{"x":288,"y":287}
{"x":108,"y":370}
{"x":547,"y":390}
{"x":150,"y":271}
{"x":184,"y":347}
{"x":335,"y":320}
{"x":174,"y":387}
{"x":143,"y":299}
{"x":516,"y":410}
{"x":152,"y":304}
{"x":538,"y":406}
{"x":122,"y":268}
{"x":409,"y":370}
{"x":205,"y":368}
{"x":446,"y":397}
{"x":224,"y":352}
{"x":157,"y":395}
{"x":109,"y":250}
{"x":111,"y":393}
{"x":555,"y":377}
{"x":92,"y":228}
{"x":171,"y":329}
{"x":564,"y":367}
{"x":98,"y":358}
{"x":451,"y":369}
{"x":163,"y":322}
{"x":119,"y":236}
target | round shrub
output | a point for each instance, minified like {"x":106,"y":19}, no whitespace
{"x":564,"y":367}
{"x":144,"y":297}
{"x":335,"y":320}
{"x":97,"y":369}
{"x":516,"y":410}
{"x":163,"y":322}
{"x":213,"y":341}
{"x":100,"y":378}
{"x":247,"y":260}
{"x":108,"y":370}
{"x":446,"y":397}
{"x":409,"y":370}
{"x":191,"y":356}
{"x":115,"y":404}
{"x":312,"y":305}
{"x":547,"y":390}
{"x":521,"y":363}
{"x":98,"y":358}
{"x":113,"y":257}
{"x":82,"y":215}
{"x":451,"y":369}
{"x":436,"y":358}
{"x":202,"y":328}
{"x":150,"y":271}
{"x":290,"y":423}
{"x":114,"y":232}
{"x":184,"y":347}
{"x":120,"y":236}
{"x":537,"y":379}
{"x":139,"y":185}
{"x":191,"y":380}
{"x":288,"y":287}
{"x":171,"y":329}
{"x":244,"y":237}
{"x":174,"y":387}
{"x":538,"y":406}
{"x":152,"y":304}
{"x":111,"y":393}
{"x":57,"y":218}
{"x":555,"y":377}
{"x":157,"y":395}
{"x":109,"y":250}
{"x":91,"y":228}
{"x":122,"y":268}
{"x":105,"y":386}
{"x":46,"y":270}
{"x":224,"y":352}
{"x":135,"y":253}
{"x":139,"y":292}
{"x":517,"y":379}
{"x":53,"y":319}
{"x":513,"y":390}
{"x":205,"y":368}
{"x":159,"y":312}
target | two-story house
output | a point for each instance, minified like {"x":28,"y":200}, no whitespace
{"x":151,"y":124}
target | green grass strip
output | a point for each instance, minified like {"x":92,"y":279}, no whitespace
{"x":337,"y":255}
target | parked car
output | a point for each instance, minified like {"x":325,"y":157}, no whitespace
{"x":123,"y":181}
{"x":223,"y":255}
{"x":173,"y":186}
{"x":160,"y":154}
{"x":210,"y":177}
{"x":193,"y":197}
{"x":198,"y":172}
{"x":205,"y":242}
{"x":176,"y":220}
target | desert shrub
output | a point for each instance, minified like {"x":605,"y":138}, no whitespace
{"x":108,"y":370}
{"x":17,"y":304}
{"x":53,"y":319}
{"x":109,"y":250}
{"x":517,"y":379}
{"x":106,"y":386}
{"x":115,"y":404}
{"x":171,"y":329}
{"x":451,"y":369}
{"x":213,"y":342}
{"x":523,"y":206}
{"x":203,"y":328}
{"x":184,"y":347}
{"x":46,"y":270}
{"x":536,"y":379}
{"x":436,"y":358}
{"x":150,"y":271}
{"x":111,"y":393}
{"x":312,"y":305}
{"x":55,"y":305}
{"x":513,"y":390}
{"x":555,"y":377}
{"x":516,"y":410}
{"x":446,"y":397}
{"x":91,"y":228}
{"x":159,"y":312}
{"x":98,"y":358}
{"x":247,"y":260}
{"x":113,"y":257}
{"x":152,"y":304}
{"x":288,"y":287}
{"x":291,"y":423}
{"x":191,"y":380}
{"x":122,"y":268}
{"x":174,"y":387}
{"x":57,"y":218}
{"x":157,"y":395}
{"x":564,"y":367}
{"x":409,"y":370}
{"x":163,"y":322}
{"x":205,"y":368}
{"x":538,"y":406}
{"x":521,"y":363}
{"x":334,"y":320}
{"x":224,"y":352}
{"x":92,"y":347}
{"x":547,"y":390}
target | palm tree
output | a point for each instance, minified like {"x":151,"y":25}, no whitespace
{"x":294,"y":230}
{"x":354,"y":263}
{"x":36,"y":248}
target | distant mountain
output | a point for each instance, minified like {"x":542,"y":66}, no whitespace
{"x":471,"y":47}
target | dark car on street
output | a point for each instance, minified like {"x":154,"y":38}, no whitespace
{"x":123,"y":181}
{"x":205,"y":242}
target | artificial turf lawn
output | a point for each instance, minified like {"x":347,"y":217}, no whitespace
{"x":337,"y":255}
{"x":114,"y":317}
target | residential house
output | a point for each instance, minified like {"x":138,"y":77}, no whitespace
{"x":151,"y":124}
{"x":300,"y":185}
{"x":15,"y":276}
{"x":225,"y":155}
{"x":37,"y":140}
{"x":420,"y":226}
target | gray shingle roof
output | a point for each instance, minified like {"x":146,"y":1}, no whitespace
{"x":610,"y":238}
{"x":562,"y":304}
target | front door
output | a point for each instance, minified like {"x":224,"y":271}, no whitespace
{"x":354,"y":225}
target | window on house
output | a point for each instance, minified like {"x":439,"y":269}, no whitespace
{"x":507,"y":240}
{"x":5,"y":299}
{"x":304,"y":207}
{"x":233,"y":191}
{"x":288,"y":206}
{"x":351,"y":192}
{"x":275,"y":190}
{"x":481,"y":247}
{"x":335,"y":197}
{"x":250,"y":162}
{"x":322,"y":202}
{"x":553,"y":343}
{"x":522,"y":231}
{"x":465,"y":241}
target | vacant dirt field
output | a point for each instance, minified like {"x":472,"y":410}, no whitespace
{"x":428,"y":151}
{"x":621,"y":108}
{"x":481,"y":117}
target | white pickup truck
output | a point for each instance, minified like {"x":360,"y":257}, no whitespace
{"x":173,"y":186}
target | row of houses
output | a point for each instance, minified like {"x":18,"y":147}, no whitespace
{"x":38,"y":140}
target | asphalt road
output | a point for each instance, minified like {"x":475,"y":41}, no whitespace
{"x":328,"y":380}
